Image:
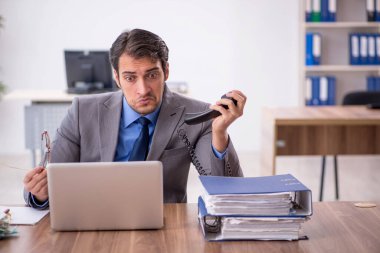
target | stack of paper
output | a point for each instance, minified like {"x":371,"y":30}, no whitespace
{"x":249,"y":204}
{"x":23,"y":215}
{"x":261,"y":228}
{"x":262,"y":208}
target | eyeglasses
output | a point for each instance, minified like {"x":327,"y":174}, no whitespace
{"x":45,"y":149}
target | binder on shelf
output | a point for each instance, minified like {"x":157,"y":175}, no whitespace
{"x":323,"y":90}
{"x":316,"y":11}
{"x":377,"y":10}
{"x":371,"y":49}
{"x":317,"y":48}
{"x":324,"y":10}
{"x":371,"y":83}
{"x":308,"y":90}
{"x":315,"y":91}
{"x":354,"y":49}
{"x":370,"y":7}
{"x":313,"y":49}
{"x":332,"y":11}
{"x":331,"y":90}
{"x":308,"y":11}
{"x":309,"y":49}
{"x":363,"y":58}
{"x":328,"y":10}
{"x":377,"y":84}
{"x":377,"y":49}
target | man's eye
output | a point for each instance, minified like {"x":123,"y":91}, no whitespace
{"x":129,"y":78}
{"x":152,"y":75}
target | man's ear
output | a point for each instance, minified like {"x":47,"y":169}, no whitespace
{"x":116,"y":77}
{"x":167,"y":71}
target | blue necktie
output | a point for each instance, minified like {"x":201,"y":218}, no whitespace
{"x":140,"y":149}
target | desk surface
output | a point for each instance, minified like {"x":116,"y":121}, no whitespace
{"x":334,"y":227}
{"x":40,"y":96}
{"x":330,"y":115}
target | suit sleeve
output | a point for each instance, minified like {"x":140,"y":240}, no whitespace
{"x":32,"y":202}
{"x":228,"y":166}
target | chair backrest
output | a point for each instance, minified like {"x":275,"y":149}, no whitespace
{"x":361,"y":98}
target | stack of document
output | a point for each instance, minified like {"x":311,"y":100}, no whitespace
{"x":261,"y":208}
{"x":249,"y":204}
{"x":261,"y":228}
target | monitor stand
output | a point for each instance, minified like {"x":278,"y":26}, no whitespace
{"x":88,"y":91}
{"x":87,"y":88}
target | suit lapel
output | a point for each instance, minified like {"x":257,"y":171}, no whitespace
{"x":109,"y":121}
{"x":170,"y":114}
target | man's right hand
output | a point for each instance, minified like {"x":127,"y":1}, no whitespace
{"x":35,"y":182}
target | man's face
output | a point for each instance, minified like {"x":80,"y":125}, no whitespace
{"x":142,"y":82}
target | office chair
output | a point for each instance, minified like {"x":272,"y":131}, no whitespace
{"x":352,"y":98}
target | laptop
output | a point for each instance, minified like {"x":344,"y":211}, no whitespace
{"x":105,"y":196}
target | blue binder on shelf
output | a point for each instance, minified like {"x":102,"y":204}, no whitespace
{"x":377,"y":10}
{"x":328,"y":10}
{"x":371,"y":38}
{"x":354,"y":49}
{"x":308,"y":91}
{"x":371,"y":83}
{"x":324,"y":10}
{"x":313,"y":49}
{"x":331,"y":11}
{"x":331,"y":90}
{"x":377,"y":49}
{"x":323,"y":90}
{"x":308,"y":10}
{"x":317,"y":48}
{"x":377,"y":84}
{"x":315,"y":91}
{"x":309,"y":49}
{"x":363,"y":56}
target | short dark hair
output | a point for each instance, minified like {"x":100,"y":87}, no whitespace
{"x":139,"y":43}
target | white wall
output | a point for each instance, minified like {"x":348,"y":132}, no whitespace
{"x":215,"y":46}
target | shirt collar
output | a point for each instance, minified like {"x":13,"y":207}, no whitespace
{"x":129,"y":115}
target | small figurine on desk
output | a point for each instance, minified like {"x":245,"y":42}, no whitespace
{"x":6,"y":230}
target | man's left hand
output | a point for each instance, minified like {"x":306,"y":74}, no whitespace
{"x":222,"y":122}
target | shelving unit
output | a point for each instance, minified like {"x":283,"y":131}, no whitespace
{"x":338,"y":25}
{"x":351,"y":18}
{"x":341,"y":68}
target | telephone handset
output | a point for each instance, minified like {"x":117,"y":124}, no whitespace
{"x":199,"y":117}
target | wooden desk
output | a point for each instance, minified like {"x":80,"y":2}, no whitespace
{"x":334,"y":227}
{"x":327,"y":130}
{"x":41,"y":96}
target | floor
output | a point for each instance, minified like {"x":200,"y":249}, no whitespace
{"x":359,"y":176}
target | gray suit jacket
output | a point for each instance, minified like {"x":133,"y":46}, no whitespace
{"x":89,"y":133}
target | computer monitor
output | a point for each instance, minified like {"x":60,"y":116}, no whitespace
{"x":88,"y":72}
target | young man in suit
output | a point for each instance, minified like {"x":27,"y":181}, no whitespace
{"x":107,"y":127}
